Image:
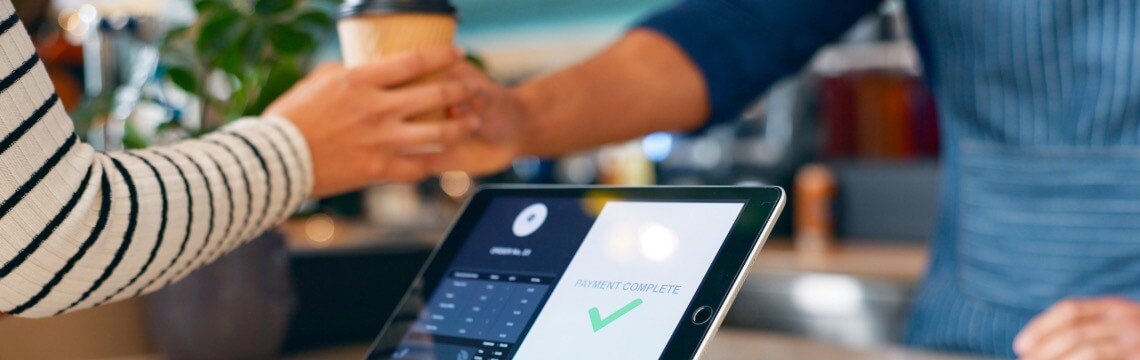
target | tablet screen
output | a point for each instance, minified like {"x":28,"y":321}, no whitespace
{"x":550,"y":278}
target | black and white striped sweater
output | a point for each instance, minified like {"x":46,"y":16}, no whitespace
{"x":80,"y":228}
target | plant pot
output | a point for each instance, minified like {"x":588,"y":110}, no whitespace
{"x":236,"y":308}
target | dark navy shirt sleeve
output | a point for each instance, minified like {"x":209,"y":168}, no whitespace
{"x":744,"y":46}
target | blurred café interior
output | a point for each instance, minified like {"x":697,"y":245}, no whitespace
{"x":853,"y":137}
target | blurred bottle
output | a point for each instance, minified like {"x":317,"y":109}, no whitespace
{"x":814,"y":194}
{"x":872,"y":100}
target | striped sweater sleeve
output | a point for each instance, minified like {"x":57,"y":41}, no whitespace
{"x":80,"y":228}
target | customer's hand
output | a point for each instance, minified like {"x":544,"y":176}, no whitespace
{"x":1097,"y":328}
{"x":355,"y":121}
{"x":497,"y":141}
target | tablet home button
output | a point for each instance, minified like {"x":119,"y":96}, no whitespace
{"x":702,"y":315}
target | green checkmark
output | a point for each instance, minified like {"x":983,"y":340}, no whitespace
{"x":598,"y":322}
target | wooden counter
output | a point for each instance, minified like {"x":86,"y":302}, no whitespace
{"x":900,"y":262}
{"x":86,"y":334}
{"x":728,"y":344}
{"x":734,"y":344}
{"x":107,"y":331}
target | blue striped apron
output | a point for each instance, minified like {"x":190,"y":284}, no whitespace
{"x":1039,"y":102}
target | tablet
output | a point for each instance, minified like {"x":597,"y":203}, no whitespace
{"x":582,"y":273}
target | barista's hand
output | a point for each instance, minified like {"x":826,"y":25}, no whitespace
{"x":497,"y":141}
{"x":1097,"y":328}
{"x":355,"y":120}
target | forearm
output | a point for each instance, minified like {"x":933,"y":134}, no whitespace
{"x":642,"y":84}
{"x":696,"y":62}
{"x":100,"y":228}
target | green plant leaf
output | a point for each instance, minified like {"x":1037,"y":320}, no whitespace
{"x":92,"y":108}
{"x":282,"y":76}
{"x":273,"y":7}
{"x":254,"y":41}
{"x":261,"y":46}
{"x":288,"y":40}
{"x":235,"y":58}
{"x":205,"y":8}
{"x":230,"y":61}
{"x":238,"y":101}
{"x":132,"y":139}
{"x":476,"y":60}
{"x":183,"y":78}
{"x":318,"y":24}
{"x":315,"y":18}
{"x":204,"y":5}
{"x":216,"y":32}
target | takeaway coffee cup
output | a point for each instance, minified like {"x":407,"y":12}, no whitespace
{"x":373,"y":29}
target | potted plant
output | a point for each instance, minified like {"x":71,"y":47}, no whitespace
{"x":234,"y":60}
